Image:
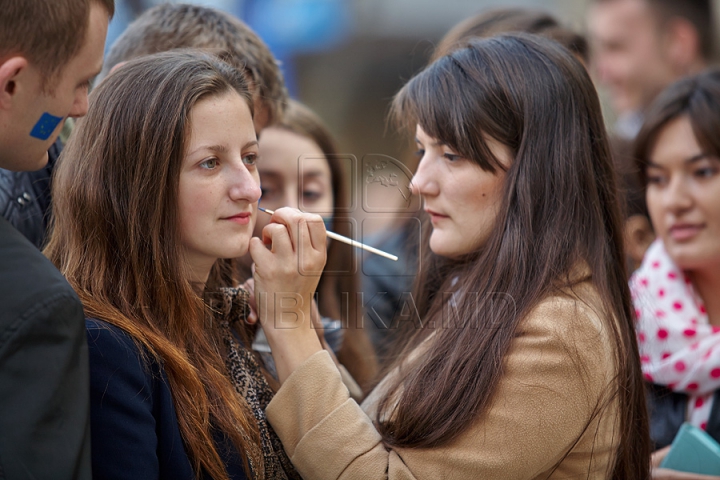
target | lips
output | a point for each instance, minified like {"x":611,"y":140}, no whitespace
{"x":242,"y":218}
{"x":435,"y":216}
{"x":685,"y":231}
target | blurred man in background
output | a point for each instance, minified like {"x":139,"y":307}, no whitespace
{"x":638,"y":47}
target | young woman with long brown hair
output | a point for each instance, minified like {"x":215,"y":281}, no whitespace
{"x":526,"y":365}
{"x":157,"y":184}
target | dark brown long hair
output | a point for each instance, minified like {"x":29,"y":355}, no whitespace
{"x":559,"y":210}
{"x":698,"y":97}
{"x":339,"y":284}
{"x":116,"y":238}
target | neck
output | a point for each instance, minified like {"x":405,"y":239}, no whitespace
{"x":707,"y":284}
{"x":198,"y":275}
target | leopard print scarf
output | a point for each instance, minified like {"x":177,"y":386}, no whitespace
{"x":249,"y":381}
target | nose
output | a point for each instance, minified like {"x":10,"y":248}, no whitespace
{"x":80,"y":104}
{"x":678,"y":197}
{"x":244,"y":185}
{"x":423,"y":182}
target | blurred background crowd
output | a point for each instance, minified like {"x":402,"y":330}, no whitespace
{"x":345,"y":59}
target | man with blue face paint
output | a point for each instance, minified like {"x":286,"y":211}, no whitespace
{"x":49,"y":52}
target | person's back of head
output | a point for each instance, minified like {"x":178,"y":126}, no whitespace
{"x":641,"y":46}
{"x":171,"y":26}
{"x":512,"y":20}
{"x":49,"y":52}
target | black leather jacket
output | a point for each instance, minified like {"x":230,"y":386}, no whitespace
{"x":25,"y":198}
{"x":668,"y":411}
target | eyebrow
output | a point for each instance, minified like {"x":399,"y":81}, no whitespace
{"x":691,"y":160}
{"x":221,"y":148}
{"x":314,"y":174}
{"x":434,"y":144}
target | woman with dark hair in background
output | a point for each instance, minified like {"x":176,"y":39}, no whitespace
{"x":158,"y":182}
{"x":524,"y":361}
{"x":676,"y":290}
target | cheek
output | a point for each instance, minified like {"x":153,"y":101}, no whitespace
{"x":653,"y":201}
{"x":195,"y":205}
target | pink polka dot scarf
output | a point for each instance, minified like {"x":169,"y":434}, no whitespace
{"x":678,"y":347}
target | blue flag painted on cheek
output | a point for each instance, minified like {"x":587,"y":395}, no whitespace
{"x":45,"y":126}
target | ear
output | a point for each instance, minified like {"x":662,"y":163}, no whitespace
{"x":10,"y":70}
{"x":683,"y":44}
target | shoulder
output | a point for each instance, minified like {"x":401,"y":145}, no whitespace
{"x":135,"y":432}
{"x":571,"y":332}
{"x":576,"y":315}
{"x":110,"y":345}
{"x":30,"y":285}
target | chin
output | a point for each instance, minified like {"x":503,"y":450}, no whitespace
{"x":445,"y":250}
{"x":235,"y":251}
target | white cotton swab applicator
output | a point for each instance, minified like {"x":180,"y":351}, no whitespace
{"x":347,"y":240}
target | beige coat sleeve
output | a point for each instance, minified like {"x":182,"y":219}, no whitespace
{"x":555,"y":374}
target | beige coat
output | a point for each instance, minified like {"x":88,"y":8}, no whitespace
{"x":557,"y":372}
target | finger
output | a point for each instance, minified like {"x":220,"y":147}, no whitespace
{"x":249,"y":285}
{"x":290,"y":218}
{"x":259,"y":254}
{"x":658,"y":456}
{"x":251,"y":318}
{"x":277,"y":236}
{"x":311,"y":260}
{"x":318,"y":236}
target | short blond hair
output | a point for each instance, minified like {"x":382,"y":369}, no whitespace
{"x":172,"y":26}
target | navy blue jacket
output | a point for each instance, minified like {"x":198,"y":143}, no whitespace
{"x":135,"y":432}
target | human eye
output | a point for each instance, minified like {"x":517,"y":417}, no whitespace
{"x":452,"y":157}
{"x":311,"y":195}
{"x":656,"y":179}
{"x":268,"y":191}
{"x":420,"y":152}
{"x":209,"y":163}
{"x":705,"y":172}
{"x":250,"y":159}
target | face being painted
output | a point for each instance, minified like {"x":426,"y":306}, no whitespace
{"x":35,"y":116}
{"x":293,"y":173}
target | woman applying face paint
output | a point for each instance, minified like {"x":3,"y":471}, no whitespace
{"x":521,"y":361}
